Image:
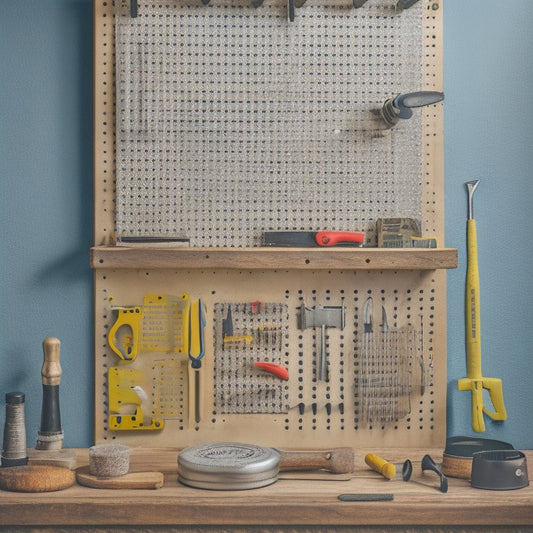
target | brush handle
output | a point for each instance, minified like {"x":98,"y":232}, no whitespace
{"x":337,"y":460}
{"x":51,"y":370}
{"x":50,"y":433}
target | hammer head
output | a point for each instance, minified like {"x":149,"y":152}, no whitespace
{"x":330,"y":316}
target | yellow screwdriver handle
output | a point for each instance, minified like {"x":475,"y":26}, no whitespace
{"x":386,"y":469}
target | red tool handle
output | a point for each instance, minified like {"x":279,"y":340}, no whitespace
{"x":330,"y":238}
{"x":277,"y":370}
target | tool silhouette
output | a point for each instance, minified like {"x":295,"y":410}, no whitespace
{"x":475,"y":381}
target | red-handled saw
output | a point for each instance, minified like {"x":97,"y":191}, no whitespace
{"x":305,"y":239}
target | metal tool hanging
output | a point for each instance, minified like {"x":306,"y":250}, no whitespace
{"x":196,"y":350}
{"x":401,"y":106}
{"x":322,"y":317}
{"x":385,"y":381}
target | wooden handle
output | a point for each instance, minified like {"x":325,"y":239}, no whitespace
{"x":51,"y":370}
{"x":131,"y":480}
{"x":337,"y":461}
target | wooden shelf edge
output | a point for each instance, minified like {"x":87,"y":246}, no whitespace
{"x":118,"y":257}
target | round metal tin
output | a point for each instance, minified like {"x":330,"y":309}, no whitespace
{"x":228,"y":466}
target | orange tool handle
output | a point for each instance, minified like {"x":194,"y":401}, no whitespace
{"x":330,"y":238}
{"x":277,"y":370}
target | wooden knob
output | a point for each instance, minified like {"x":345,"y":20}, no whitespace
{"x":51,"y":370}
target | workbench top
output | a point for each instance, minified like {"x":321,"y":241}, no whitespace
{"x":307,"y":502}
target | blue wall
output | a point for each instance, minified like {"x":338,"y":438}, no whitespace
{"x":46,"y":202}
{"x":488,"y":134}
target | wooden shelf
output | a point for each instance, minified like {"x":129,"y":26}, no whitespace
{"x":287,"y":503}
{"x":118,"y":257}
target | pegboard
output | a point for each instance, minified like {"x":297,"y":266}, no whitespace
{"x":243,"y":402}
{"x":285,"y":136}
{"x":232,"y":121}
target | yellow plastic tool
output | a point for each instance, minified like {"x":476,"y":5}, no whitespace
{"x":386,"y":469}
{"x":123,"y":391}
{"x":161,"y":324}
{"x":475,"y":381}
{"x":128,"y":323}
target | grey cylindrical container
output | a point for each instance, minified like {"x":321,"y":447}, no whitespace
{"x":14,"y":452}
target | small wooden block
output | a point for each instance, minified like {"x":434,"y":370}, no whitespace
{"x":64,"y":457}
{"x":132,"y":480}
{"x":36,"y":478}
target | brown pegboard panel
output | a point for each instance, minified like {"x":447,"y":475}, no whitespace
{"x":308,"y":412}
{"x":303,"y":409}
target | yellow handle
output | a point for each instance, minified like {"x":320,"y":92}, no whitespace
{"x":129,"y":317}
{"x":378,"y":464}
{"x":474,"y":380}
{"x":472,"y":305}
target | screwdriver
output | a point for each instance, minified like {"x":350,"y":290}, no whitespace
{"x":196,"y":352}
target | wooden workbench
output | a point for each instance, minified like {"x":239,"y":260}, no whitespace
{"x":294,"y":504}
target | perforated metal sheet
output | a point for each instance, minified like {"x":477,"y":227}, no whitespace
{"x":232,"y":120}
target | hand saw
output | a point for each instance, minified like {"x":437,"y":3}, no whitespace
{"x":306,"y":239}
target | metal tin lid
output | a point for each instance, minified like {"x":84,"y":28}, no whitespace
{"x":467,"y":446}
{"x":228,"y":466}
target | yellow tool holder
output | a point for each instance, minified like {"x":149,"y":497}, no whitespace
{"x":408,"y":283}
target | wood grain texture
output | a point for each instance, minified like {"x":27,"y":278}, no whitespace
{"x":133,"y":480}
{"x":294,"y":503}
{"x":274,"y":258}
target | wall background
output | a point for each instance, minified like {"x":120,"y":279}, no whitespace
{"x":46,"y":203}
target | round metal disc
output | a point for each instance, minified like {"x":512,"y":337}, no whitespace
{"x":228,"y":466}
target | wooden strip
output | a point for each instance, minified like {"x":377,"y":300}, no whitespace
{"x":287,"y":502}
{"x":273,"y":258}
{"x":132,"y":480}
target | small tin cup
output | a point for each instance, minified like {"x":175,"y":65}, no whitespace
{"x":499,"y":470}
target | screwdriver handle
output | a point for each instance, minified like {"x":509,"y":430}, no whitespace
{"x":380,"y":465}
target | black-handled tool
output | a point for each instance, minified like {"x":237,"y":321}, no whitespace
{"x":429,"y":464}
{"x":405,"y":4}
{"x":291,"y":10}
{"x":50,"y":435}
{"x":401,"y":107}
